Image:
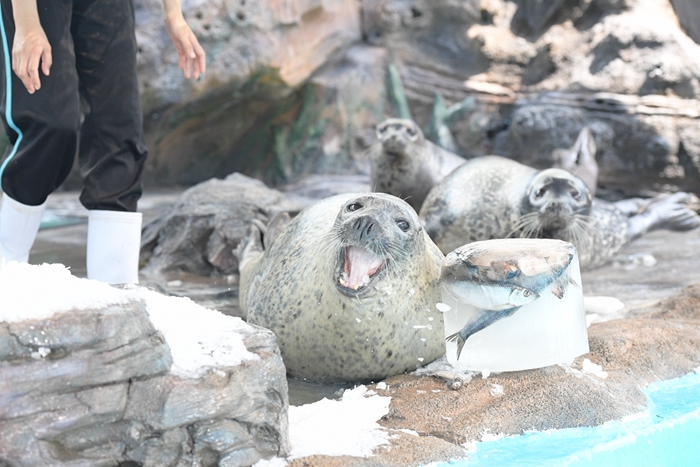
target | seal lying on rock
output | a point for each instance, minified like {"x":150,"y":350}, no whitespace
{"x":405,"y":164}
{"x":495,"y":197}
{"x":350,"y":288}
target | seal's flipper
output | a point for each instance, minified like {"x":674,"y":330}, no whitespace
{"x":579,"y":159}
{"x":673,"y":212}
{"x":632,"y":206}
{"x":251,"y":247}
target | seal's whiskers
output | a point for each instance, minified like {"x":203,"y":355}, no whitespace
{"x":528,"y":224}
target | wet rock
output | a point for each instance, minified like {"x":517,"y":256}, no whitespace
{"x":117,"y":382}
{"x":199,"y":233}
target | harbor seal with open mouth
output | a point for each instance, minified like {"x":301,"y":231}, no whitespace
{"x":350,"y":288}
{"x":494,"y":197}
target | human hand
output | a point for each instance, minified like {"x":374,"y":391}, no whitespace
{"x":190,"y":54}
{"x":30,"y":46}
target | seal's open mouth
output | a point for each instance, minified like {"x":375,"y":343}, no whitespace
{"x":357,"y":268}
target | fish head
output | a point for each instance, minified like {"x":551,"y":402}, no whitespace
{"x":521,"y":296}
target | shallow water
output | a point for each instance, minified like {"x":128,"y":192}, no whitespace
{"x":664,"y":435}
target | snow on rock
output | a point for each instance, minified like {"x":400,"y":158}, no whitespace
{"x":198,"y":337}
{"x":339,"y":428}
{"x":96,"y":375}
{"x":31,"y":292}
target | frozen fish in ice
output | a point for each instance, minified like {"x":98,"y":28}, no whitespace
{"x":533,"y":264}
{"x":494,"y":302}
{"x":498,"y":279}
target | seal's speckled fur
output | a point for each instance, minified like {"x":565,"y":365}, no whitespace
{"x":405,"y":164}
{"x":326,"y":333}
{"x":494,"y":197}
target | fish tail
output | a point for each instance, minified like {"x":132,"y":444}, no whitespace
{"x":561,"y":287}
{"x":457,"y":337}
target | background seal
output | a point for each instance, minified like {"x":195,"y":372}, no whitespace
{"x":405,"y":164}
{"x":494,"y":197}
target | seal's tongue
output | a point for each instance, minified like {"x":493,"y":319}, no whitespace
{"x":360,"y":266}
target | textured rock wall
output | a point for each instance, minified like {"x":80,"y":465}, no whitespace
{"x":296,"y":86}
{"x":96,"y":386}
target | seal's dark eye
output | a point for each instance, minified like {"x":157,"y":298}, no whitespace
{"x":403,"y":225}
{"x":354,"y":207}
{"x":576,"y":194}
{"x":382,"y":129}
{"x":411,"y":131}
{"x":540,"y":193}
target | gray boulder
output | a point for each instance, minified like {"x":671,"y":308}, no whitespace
{"x":99,"y":377}
{"x":200,"y":232}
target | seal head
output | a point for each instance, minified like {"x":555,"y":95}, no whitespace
{"x":405,"y":164}
{"x":557,"y":205}
{"x":400,"y":137}
{"x":373,"y":234}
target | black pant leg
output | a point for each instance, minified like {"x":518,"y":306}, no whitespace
{"x":42,"y":127}
{"x":112,"y":149}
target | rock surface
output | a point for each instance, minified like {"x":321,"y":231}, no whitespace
{"x":200,"y":232}
{"x":269,"y":47}
{"x":116,"y":382}
{"x":510,"y":55}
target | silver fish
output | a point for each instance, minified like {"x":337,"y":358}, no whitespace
{"x":485,"y":296}
{"x":494,"y":302}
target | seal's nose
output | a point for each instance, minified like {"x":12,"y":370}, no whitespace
{"x":364,"y":227}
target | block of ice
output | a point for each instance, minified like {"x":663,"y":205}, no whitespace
{"x":514,"y":304}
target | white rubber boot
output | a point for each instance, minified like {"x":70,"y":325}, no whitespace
{"x":19,"y":224}
{"x":113,"y":246}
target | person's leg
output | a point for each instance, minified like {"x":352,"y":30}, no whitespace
{"x":112,"y":148}
{"x":41,"y":127}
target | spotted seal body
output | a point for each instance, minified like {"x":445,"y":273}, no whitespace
{"x":350,"y":288}
{"x":494,"y":197}
{"x":405,"y":164}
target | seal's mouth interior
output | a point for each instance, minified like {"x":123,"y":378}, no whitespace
{"x":357,"y":268}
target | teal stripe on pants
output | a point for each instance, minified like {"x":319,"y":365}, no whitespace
{"x":8,"y":95}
